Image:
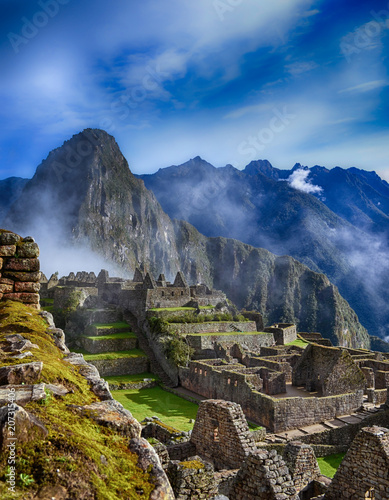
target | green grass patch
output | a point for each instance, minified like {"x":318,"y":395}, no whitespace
{"x":330,"y":464}
{"x":106,"y":326}
{"x":49,"y":309}
{"x":47,"y":301}
{"x":299,"y":343}
{"x":121,"y":335}
{"x":133,"y":353}
{"x":173,"y":309}
{"x":171,"y":409}
{"x":254,"y":427}
{"x":123,"y":379}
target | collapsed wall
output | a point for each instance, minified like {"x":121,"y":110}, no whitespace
{"x":19,"y":269}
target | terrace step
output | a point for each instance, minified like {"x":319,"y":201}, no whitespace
{"x":104,"y":329}
{"x":106,"y":315}
{"x":119,"y":363}
{"x":110,"y":343}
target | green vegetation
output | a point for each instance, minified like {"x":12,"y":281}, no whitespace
{"x":108,"y":326}
{"x":132,"y":353}
{"x":192,"y":464}
{"x":172,"y":309}
{"x":330,"y":464}
{"x":254,"y":427}
{"x":171,"y":409}
{"x":177,"y":350}
{"x":299,"y":343}
{"x":121,"y":335}
{"x":124,"y":379}
{"x":71,"y":453}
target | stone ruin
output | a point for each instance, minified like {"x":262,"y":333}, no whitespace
{"x":19,"y":269}
{"x":364,"y":471}
{"x":221,"y":434}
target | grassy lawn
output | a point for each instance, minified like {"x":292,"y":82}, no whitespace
{"x":329,"y":465}
{"x":123,"y":379}
{"x":171,"y":409}
{"x":133,"y":353}
{"x":298,"y":343}
{"x":123,"y":335}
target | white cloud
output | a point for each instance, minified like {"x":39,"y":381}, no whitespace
{"x":298,"y":68}
{"x":366,"y":87}
{"x":299,"y":180}
{"x":256,"y":108}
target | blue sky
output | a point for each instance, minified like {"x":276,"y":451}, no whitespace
{"x":229,"y":80}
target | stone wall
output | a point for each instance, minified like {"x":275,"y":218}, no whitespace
{"x":301,"y":461}
{"x":19,"y":269}
{"x":122,"y":366}
{"x":253,"y":341}
{"x":283,"y":333}
{"x":364,"y":471}
{"x":192,"y":479}
{"x":221,"y":434}
{"x":263,"y":476}
{"x":277,"y":415}
{"x":328,"y":370}
{"x":214,"y":326}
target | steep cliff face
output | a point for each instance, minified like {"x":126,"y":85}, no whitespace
{"x":84,"y":192}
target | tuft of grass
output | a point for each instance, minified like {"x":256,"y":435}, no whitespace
{"x":330,"y":464}
{"x":171,"y":409}
{"x":225,"y":334}
{"x":173,"y":309}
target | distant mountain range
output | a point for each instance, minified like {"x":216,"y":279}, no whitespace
{"x":334,"y":221}
{"x":84,"y":196}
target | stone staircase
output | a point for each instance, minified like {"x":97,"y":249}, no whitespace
{"x":111,"y":346}
{"x":143,"y":343}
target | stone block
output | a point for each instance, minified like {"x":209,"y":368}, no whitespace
{"x":27,"y":427}
{"x":9,"y":238}
{"x":1,"y":262}
{"x":6,"y":288}
{"x":28,"y":287}
{"x":6,"y":281}
{"x":28,"y":250}
{"x":20,"y":264}
{"x":27,"y":298}
{"x":7,"y":250}
{"x":23,"y":276}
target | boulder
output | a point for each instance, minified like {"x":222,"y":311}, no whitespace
{"x":113,"y":415}
{"x":26,"y":373}
{"x":98,"y":385}
{"x":19,"y":264}
{"x":18,"y":426}
{"x":148,"y":461}
{"x":48,"y":317}
{"x":59,"y":338}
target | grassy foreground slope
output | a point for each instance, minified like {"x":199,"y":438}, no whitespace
{"x":88,"y":460}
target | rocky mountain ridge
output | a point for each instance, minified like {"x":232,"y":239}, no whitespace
{"x":85,"y":193}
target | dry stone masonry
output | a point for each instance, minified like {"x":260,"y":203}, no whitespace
{"x":19,"y":269}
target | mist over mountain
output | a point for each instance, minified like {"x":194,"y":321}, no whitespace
{"x":10,"y":190}
{"x":85,"y":196}
{"x":334,"y":221}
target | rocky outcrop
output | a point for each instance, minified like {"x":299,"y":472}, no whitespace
{"x":27,"y":373}
{"x":112,"y":414}
{"x":25,"y":426}
{"x":149,"y":461}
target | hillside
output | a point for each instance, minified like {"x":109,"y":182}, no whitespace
{"x":91,"y":199}
{"x":340,"y":231}
{"x":65,"y":448}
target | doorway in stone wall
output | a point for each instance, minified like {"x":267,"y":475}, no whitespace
{"x":370,"y":495}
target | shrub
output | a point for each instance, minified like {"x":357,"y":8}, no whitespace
{"x":177,"y":350}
